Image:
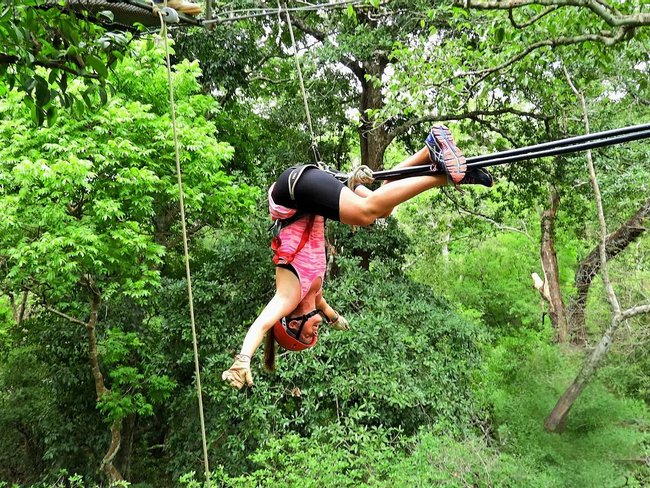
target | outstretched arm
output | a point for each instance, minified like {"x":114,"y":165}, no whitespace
{"x":329,"y":313}
{"x":335,"y":320}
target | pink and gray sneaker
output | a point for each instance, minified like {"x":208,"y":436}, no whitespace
{"x":444,"y":153}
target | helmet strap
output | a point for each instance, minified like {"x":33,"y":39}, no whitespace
{"x":303,"y":320}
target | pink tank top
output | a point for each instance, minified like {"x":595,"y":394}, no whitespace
{"x":310,"y":261}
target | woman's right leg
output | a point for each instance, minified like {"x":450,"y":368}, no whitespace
{"x":357,"y":210}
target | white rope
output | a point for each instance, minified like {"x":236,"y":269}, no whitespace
{"x":163,"y":27}
{"x":361,"y":175}
{"x":251,"y":13}
{"x":314,"y":147}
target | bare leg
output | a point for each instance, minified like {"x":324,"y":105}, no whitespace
{"x":354,"y":212}
{"x":357,"y":210}
{"x":419,"y":158}
{"x":285,"y":300}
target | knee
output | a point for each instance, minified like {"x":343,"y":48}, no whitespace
{"x":364,"y":215}
{"x":362,"y":212}
{"x":367,"y":218}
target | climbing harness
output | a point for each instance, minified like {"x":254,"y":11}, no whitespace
{"x":276,"y":242}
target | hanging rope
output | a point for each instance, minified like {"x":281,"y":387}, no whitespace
{"x":163,"y":29}
{"x":314,"y":147}
{"x":361,"y":175}
{"x":251,"y":13}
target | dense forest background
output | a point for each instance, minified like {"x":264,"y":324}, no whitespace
{"x":459,"y":369}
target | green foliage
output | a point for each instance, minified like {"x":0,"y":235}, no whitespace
{"x":77,"y":205}
{"x":493,"y":278}
{"x":91,"y":206}
{"x":382,"y":242}
{"x":47,"y":406}
{"x":45,"y":48}
{"x":414,"y":394}
{"x":517,"y":387}
{"x":405,"y":357}
{"x":522,"y":381}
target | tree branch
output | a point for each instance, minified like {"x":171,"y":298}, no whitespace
{"x":607,"y":38}
{"x":349,"y":63}
{"x":602,"y":247}
{"x":636,"y":310}
{"x":473,"y":115}
{"x":599,"y":7}
{"x":9,"y":59}
{"x":65,"y":316}
{"x":530,"y":21}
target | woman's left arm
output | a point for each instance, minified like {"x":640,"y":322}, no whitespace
{"x":333,"y":318}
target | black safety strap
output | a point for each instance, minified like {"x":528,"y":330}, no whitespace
{"x":303,"y":320}
{"x":295,"y":175}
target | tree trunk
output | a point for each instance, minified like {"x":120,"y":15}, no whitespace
{"x":106,"y":466}
{"x":556,"y":421}
{"x":19,"y":309}
{"x":373,"y":140}
{"x":557,"y":311}
{"x":123,"y":459}
{"x":590,"y":267}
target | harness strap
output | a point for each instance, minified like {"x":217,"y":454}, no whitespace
{"x":285,"y":321}
{"x":294,"y":176}
{"x":279,"y":224}
{"x":279,"y":258}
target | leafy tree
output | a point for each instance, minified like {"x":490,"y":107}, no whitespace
{"x":87,"y":219}
{"x":37,"y":34}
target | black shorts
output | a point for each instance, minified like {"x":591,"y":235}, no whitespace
{"x":317,"y":192}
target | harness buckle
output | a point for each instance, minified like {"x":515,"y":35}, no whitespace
{"x":276,"y":227}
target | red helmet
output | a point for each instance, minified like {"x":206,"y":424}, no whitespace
{"x":289,"y":331}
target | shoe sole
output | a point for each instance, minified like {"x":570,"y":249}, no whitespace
{"x":453,"y":159}
{"x":478,"y":177}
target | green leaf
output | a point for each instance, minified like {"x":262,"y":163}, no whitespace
{"x":102,"y":95}
{"x":52,"y":113}
{"x":63,"y":81}
{"x":85,"y":95}
{"x":53,"y":75}
{"x":106,"y":15}
{"x":42,"y":91}
{"x":498,"y":34}
{"x":28,"y":84}
{"x":98,"y":65}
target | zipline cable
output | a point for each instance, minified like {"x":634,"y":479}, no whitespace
{"x":563,"y":142}
{"x":553,"y":148}
{"x":188,"y":275}
{"x":556,"y":151}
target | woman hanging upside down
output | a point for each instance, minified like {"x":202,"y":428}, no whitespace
{"x":301,"y":199}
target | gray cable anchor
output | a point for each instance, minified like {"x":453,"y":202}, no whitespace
{"x":169,"y":15}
